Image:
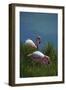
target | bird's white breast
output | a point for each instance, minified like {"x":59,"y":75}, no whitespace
{"x":30,"y":42}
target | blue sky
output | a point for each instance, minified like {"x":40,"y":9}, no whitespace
{"x":42,"y":24}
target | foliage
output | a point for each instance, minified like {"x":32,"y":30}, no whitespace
{"x":50,"y":51}
{"x":30,"y":68}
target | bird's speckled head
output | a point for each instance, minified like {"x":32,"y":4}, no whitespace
{"x":46,"y":60}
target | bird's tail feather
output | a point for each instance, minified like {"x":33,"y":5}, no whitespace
{"x":29,"y":55}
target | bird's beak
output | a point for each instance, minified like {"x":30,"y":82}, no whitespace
{"x":48,"y":62}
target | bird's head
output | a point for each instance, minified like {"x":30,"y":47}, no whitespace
{"x":46,"y":59}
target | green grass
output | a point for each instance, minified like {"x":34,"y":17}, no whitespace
{"x":30,"y":68}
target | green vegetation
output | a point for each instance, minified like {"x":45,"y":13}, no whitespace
{"x":30,"y":68}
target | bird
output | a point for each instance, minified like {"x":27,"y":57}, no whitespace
{"x":32,"y":44}
{"x":39,"y":57}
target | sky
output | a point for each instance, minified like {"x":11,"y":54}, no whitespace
{"x":39,"y":24}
